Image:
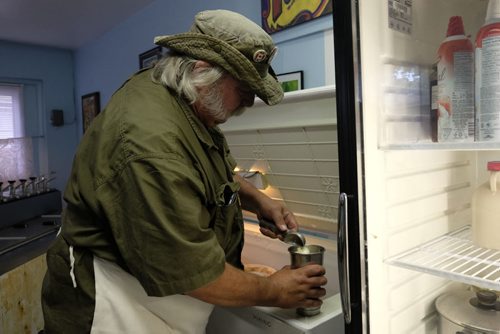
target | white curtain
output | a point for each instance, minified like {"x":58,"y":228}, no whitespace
{"x":16,"y":159}
{"x":16,"y":151}
{"x":11,"y":111}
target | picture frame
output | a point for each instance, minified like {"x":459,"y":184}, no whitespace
{"x":91,"y":106}
{"x":150,"y":58}
{"x":291,"y":81}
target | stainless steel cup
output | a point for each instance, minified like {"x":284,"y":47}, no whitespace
{"x":300,"y":256}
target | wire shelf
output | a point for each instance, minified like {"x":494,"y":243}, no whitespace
{"x":454,"y":256}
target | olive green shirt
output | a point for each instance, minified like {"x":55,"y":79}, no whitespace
{"x":149,"y":190}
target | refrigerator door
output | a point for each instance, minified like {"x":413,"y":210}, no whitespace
{"x":351,"y":242}
{"x":403,"y":190}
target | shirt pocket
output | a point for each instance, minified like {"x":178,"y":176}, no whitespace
{"x":228,"y":218}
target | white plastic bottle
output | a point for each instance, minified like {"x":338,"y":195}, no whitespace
{"x":486,"y":210}
{"x":487,"y":86}
{"x":455,"y":82}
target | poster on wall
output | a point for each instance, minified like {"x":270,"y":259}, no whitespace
{"x":281,"y":14}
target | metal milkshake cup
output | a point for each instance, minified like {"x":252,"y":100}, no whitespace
{"x":300,"y":256}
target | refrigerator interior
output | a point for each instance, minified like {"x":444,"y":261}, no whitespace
{"x":416,"y":190}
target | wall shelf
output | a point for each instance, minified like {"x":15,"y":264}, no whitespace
{"x":453,"y":256}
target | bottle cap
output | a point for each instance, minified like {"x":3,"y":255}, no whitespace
{"x":455,"y":26}
{"x":493,"y":11}
{"x":494,"y":165}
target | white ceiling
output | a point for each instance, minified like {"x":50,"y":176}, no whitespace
{"x":62,"y":23}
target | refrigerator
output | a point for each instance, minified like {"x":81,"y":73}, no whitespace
{"x":401,"y":192}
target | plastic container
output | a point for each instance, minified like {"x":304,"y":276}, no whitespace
{"x":486,"y":210}
{"x":487,"y":86}
{"x":455,"y":76}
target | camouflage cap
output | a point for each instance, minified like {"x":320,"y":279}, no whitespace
{"x":236,"y":44}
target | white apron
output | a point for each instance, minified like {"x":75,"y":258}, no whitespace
{"x":122,"y":306}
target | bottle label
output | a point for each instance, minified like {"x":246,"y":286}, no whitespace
{"x":456,"y":97}
{"x":488,"y":90}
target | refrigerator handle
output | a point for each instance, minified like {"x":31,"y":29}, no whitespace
{"x":343,"y":257}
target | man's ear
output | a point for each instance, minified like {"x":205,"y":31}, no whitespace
{"x":200,"y":64}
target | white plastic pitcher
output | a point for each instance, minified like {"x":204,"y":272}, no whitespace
{"x":486,"y":210}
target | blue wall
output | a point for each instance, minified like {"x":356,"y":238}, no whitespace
{"x":48,"y":76}
{"x":103,"y":64}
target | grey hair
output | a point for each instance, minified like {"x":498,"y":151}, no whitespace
{"x":178,"y":73}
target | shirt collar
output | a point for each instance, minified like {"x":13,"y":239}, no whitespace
{"x":202,"y":132}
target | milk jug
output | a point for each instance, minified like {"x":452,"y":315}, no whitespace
{"x":486,"y":210}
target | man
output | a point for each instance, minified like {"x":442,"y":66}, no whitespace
{"x":153,"y":230}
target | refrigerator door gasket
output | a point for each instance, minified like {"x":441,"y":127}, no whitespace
{"x":455,"y":257}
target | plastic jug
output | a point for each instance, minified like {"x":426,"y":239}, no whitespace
{"x":486,"y":210}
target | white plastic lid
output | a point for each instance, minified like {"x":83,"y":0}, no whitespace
{"x":493,"y":11}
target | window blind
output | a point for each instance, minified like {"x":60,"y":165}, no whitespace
{"x":11,"y":115}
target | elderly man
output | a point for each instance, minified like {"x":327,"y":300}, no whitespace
{"x":153,"y":230}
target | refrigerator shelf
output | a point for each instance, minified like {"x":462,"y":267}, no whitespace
{"x":428,"y":145}
{"x":453,"y":256}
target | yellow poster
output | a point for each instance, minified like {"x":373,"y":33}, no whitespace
{"x":280,"y":14}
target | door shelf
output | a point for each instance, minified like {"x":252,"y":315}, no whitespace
{"x":428,"y":145}
{"x":453,"y":256}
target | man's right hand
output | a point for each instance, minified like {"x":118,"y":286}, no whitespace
{"x":301,"y":287}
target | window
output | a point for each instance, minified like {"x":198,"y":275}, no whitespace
{"x":16,"y":150}
{"x":11,"y":116}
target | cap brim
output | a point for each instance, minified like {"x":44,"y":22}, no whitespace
{"x":216,"y":51}
{"x":271,"y":92}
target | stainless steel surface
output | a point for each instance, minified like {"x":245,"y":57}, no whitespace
{"x":289,"y":237}
{"x":300,"y":256}
{"x":343,"y":258}
{"x":294,"y":238}
{"x":19,"y":235}
{"x":26,"y":223}
{"x":486,"y":299}
{"x":457,"y":314}
{"x":17,"y":210}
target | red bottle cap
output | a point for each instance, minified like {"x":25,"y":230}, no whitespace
{"x":494,"y":165}
{"x":455,"y":26}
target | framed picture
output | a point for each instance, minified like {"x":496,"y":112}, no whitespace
{"x":91,"y":106}
{"x":279,"y":15}
{"x":150,"y":57}
{"x":291,"y":81}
